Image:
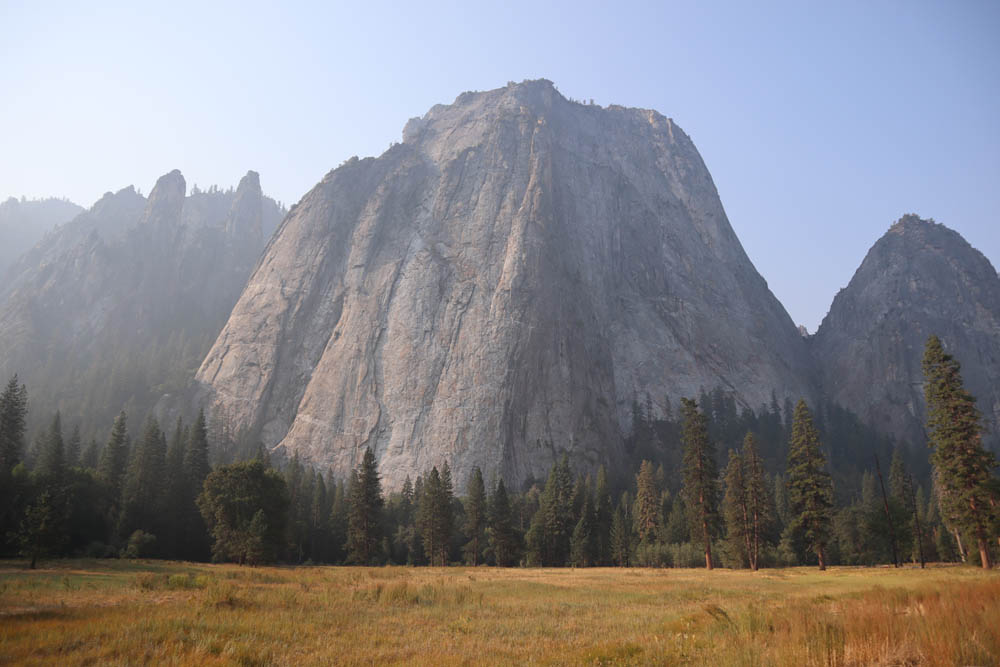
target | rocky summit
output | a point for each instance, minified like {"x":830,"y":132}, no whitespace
{"x":120,"y":304}
{"x":920,"y":278}
{"x":497,"y":290}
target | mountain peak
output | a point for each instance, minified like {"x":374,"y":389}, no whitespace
{"x":245,"y":215}
{"x":166,"y":200}
{"x":495,"y":292}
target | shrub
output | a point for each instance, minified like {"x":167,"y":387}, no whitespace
{"x":140,"y":545}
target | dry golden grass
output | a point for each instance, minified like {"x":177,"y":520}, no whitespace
{"x":120,"y":612}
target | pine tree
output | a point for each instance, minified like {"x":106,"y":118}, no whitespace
{"x":144,"y":488}
{"x":603,"y":516}
{"x":502,"y":535}
{"x":735,"y":510}
{"x":13,"y":424}
{"x":900,"y":505}
{"x":647,"y":504}
{"x":91,"y":455}
{"x":73,"y":448}
{"x":759,"y":502}
{"x":552,"y":525}
{"x":475,"y":517}
{"x":365,"y":513}
{"x":339,"y":510}
{"x":175,"y":496}
{"x":196,"y":466}
{"x":52,"y":458}
{"x":114,"y":458}
{"x":434,"y":517}
{"x":319,"y":527}
{"x":700,"y":477}
{"x":622,"y":541}
{"x":583,"y":543}
{"x":810,"y":492}
{"x":964,"y":468}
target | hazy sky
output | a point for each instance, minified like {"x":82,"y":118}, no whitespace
{"x":821,"y":122}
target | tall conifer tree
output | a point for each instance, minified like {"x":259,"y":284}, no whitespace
{"x":810,"y":491}
{"x":701,"y":488}
{"x":114,"y":458}
{"x":365,"y":514}
{"x":735,"y":509}
{"x":647,"y":504}
{"x":964,"y":468}
{"x":144,"y":488}
{"x":13,"y":423}
{"x":503,"y":536}
{"x":603,"y":517}
{"x":475,"y":517}
{"x":759,"y":502}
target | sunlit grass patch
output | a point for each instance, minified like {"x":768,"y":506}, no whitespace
{"x":115,"y":612}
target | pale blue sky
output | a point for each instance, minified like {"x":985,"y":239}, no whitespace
{"x":821,"y":122}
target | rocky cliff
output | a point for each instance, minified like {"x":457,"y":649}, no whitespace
{"x":497,"y":290}
{"x":121,"y":304}
{"x":23,"y":223}
{"x":920,"y":278}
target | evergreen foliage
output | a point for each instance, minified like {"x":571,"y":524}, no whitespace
{"x":810,"y":492}
{"x":963,"y":466}
{"x":603,"y":517}
{"x":435,"y":517}
{"x":552,"y":525}
{"x":13,"y":423}
{"x":647,"y":504}
{"x":700,"y":477}
{"x":365,"y":512}
{"x":245,"y":507}
{"x":583,"y":543}
{"x":503,"y":537}
{"x":475,"y":518}
{"x":143,"y":492}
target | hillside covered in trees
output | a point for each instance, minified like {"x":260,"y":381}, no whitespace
{"x":701,"y":495}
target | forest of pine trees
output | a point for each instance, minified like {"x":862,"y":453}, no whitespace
{"x":714,"y":487}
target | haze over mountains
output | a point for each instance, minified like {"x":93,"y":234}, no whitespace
{"x":496,"y":290}
{"x":23,"y":222}
{"x":119,"y":305}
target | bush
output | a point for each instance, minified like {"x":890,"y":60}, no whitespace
{"x":99,"y":550}
{"x":653,"y":554}
{"x":686,"y":554}
{"x":140,"y":545}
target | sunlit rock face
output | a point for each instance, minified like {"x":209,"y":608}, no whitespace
{"x":497,"y":290}
{"x":920,"y":278}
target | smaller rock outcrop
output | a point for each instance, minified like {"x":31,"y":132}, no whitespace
{"x":920,"y":278}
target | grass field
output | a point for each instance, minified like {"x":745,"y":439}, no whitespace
{"x":128,"y":612}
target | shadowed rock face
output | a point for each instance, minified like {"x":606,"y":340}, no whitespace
{"x":920,"y":278}
{"x":121,"y":304}
{"x":24,"y":222}
{"x":497,"y":290}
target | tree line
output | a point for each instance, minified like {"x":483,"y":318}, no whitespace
{"x":157,"y":495}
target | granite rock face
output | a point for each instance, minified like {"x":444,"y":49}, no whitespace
{"x":121,"y":304}
{"x":920,"y":278}
{"x":496,"y":290}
